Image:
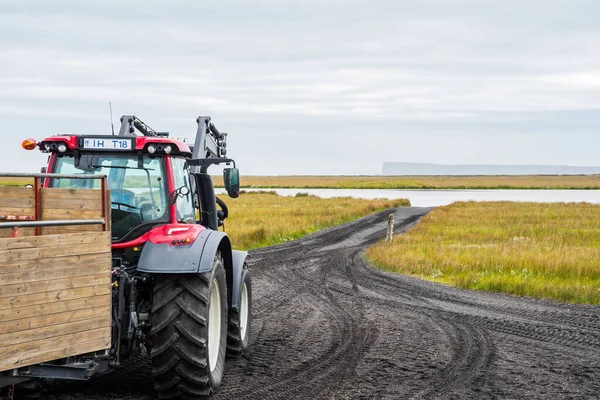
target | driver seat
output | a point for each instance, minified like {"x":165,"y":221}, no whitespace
{"x":123,"y":196}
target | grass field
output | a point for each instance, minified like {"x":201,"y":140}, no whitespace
{"x":19,"y":182}
{"x":422,"y":182}
{"x":263,"y":219}
{"x":402,"y":182}
{"x":528,"y":249}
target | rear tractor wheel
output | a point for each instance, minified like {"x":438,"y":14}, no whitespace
{"x":238,"y":334}
{"x":189,"y":333}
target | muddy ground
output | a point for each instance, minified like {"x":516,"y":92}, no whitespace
{"x":327,"y":325}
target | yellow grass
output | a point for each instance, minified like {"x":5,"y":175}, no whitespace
{"x":530,"y":249}
{"x":402,"y":182}
{"x":264,"y":219}
{"x":422,"y":182}
{"x":19,"y":182}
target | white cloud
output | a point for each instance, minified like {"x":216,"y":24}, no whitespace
{"x":470,"y":69}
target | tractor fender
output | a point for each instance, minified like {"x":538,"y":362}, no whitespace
{"x":234,"y":264}
{"x":239,"y":258}
{"x":216,"y":240}
{"x":197,"y":257}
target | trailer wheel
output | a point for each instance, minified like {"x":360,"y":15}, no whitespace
{"x":238,"y":334}
{"x":34,"y":388}
{"x":189,"y":333}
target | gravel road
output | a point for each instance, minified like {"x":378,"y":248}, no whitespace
{"x":328,"y":325}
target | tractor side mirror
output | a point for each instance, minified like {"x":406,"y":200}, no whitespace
{"x":179,"y":192}
{"x":231,"y":179}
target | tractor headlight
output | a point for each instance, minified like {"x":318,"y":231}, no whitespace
{"x":168,"y":149}
{"x":151,"y":149}
{"x":62,"y":147}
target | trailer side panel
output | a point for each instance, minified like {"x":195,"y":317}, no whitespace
{"x":55,"y":288}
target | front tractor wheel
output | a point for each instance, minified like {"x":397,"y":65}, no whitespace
{"x":189,"y":333}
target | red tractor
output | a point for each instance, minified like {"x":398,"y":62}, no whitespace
{"x":179,"y":290}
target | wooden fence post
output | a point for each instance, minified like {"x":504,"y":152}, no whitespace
{"x":390,"y":230}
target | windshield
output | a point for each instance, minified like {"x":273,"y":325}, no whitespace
{"x":138,"y":194}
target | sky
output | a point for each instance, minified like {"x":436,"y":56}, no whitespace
{"x":323,"y":87}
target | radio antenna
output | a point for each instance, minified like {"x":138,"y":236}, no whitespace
{"x":112,"y":126}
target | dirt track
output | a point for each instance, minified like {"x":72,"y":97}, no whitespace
{"x":328,"y":325}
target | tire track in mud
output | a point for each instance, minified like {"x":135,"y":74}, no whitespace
{"x":349,"y":340}
{"x":329,"y":325}
{"x":559,"y":325}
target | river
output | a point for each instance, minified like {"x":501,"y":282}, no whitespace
{"x":433,"y":198}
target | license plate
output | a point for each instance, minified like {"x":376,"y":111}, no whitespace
{"x":107,"y":144}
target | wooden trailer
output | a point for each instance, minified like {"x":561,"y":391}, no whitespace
{"x":55,"y":272}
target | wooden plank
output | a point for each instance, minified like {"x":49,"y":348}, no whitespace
{"x":11,"y":350}
{"x":102,"y":275}
{"x":54,"y":319}
{"x":46,"y":274}
{"x":16,"y":202}
{"x":36,"y":334}
{"x":57,"y":230}
{"x":7,"y":232}
{"x":17,"y":210}
{"x":53,"y":240}
{"x":20,"y":192}
{"x":49,"y":355}
{"x":55,"y":348}
{"x":108,"y":216}
{"x":58,"y":295}
{"x":56,"y":193}
{"x":54,"y":264}
{"x":52,"y":309}
{"x":49,"y":214}
{"x":47,"y":252}
{"x":75,"y":204}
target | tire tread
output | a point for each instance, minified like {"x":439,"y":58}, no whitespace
{"x":179,"y":354}
{"x":235,"y":343}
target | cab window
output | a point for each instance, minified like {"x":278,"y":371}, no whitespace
{"x":181,"y":178}
{"x":138,"y":192}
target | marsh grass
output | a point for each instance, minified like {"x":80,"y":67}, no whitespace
{"x":528,"y":249}
{"x":15,"y":182}
{"x":402,"y":182}
{"x":421,"y":182}
{"x":264,"y":219}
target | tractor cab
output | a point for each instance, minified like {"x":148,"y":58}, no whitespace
{"x":145,"y":178}
{"x":153,"y":180}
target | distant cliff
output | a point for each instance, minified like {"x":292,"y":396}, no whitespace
{"x":405,"y":168}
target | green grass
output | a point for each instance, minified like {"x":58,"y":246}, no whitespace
{"x":528,"y":249}
{"x":421,"y":182}
{"x":264,"y":219}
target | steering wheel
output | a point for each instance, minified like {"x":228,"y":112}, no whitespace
{"x":124,"y":205}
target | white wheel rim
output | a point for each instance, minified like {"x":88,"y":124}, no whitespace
{"x":244,"y":311}
{"x":214,"y":325}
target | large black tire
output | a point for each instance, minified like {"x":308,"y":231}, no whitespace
{"x":181,"y":366}
{"x":34,"y":389}
{"x":238,"y":339}
{"x":29,"y":390}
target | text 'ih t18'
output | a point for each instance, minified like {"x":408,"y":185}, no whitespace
{"x":179,"y":290}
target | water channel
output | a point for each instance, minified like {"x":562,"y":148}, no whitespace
{"x":432,"y":198}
